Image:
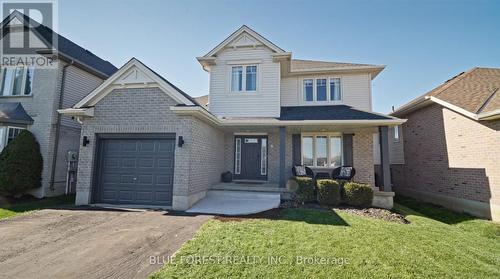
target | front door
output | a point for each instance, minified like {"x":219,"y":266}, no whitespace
{"x":250,"y":157}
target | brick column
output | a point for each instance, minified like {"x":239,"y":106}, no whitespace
{"x":384,"y":158}
{"x":282,"y":157}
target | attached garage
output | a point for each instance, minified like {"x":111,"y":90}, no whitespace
{"x":135,"y":169}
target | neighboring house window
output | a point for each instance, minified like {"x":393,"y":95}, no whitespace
{"x":251,"y":78}
{"x":8,"y":134}
{"x":308,"y":90}
{"x":322,"y":150}
{"x":13,"y":132}
{"x":263,"y":157}
{"x":335,"y":94}
{"x":396,"y":133}
{"x":17,"y":81}
{"x":317,"y":90}
{"x":237,"y":156}
{"x":244,"y":75}
{"x":321,"y":89}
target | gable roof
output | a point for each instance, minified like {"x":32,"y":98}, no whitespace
{"x":334,"y":112}
{"x":236,"y":34}
{"x":65,"y":47}
{"x":472,"y":93}
{"x":151,"y":77}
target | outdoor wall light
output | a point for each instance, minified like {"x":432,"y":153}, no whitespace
{"x":180,"y":142}
{"x":85,"y":141}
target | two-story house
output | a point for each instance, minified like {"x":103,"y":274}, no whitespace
{"x":30,"y":96}
{"x":147,"y":142}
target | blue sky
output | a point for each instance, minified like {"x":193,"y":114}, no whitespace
{"x":423,"y":43}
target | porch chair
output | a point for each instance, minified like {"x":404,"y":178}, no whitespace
{"x":343,"y":173}
{"x":309,"y":171}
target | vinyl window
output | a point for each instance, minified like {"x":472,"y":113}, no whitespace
{"x":322,"y":89}
{"x":396,"y":133}
{"x":263,"y":157}
{"x":16,"y":81}
{"x":322,"y":150}
{"x":244,"y":78}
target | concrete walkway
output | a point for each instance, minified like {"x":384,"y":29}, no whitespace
{"x":236,"y":202}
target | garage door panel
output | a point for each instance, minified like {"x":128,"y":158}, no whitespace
{"x":136,"y":171}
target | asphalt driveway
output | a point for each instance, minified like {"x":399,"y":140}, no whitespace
{"x":90,"y":243}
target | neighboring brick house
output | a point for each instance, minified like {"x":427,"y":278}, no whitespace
{"x":146,"y":142}
{"x":452,"y":145}
{"x":31,"y":95}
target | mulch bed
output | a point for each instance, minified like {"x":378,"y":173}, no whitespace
{"x":9,"y":200}
{"x":273,"y":214}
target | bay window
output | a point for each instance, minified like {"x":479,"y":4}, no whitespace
{"x":244,"y":78}
{"x":322,"y":150}
{"x":16,"y":81}
{"x":322,"y":90}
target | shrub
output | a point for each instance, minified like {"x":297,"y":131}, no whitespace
{"x":21,"y":165}
{"x":305,"y":189}
{"x":328,"y":192}
{"x":359,"y":195}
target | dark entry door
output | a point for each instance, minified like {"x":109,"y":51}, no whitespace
{"x":251,"y":157}
{"x":136,"y":171}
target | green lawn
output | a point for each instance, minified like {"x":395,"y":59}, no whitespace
{"x":453,"y":246}
{"x":18,"y":208}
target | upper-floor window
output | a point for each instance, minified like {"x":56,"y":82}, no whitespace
{"x":16,"y":81}
{"x":308,"y":90}
{"x":318,"y":90}
{"x":321,"y":89}
{"x":244,"y":78}
{"x":335,"y":94}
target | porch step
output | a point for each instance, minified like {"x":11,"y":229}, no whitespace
{"x":264,"y":187}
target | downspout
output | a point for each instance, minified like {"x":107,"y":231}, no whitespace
{"x":58,"y":126}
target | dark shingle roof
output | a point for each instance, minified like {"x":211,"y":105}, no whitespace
{"x":14,"y":113}
{"x":335,"y":112}
{"x":68,"y":48}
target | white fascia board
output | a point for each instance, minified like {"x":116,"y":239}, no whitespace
{"x":489,"y":115}
{"x":78,"y":112}
{"x":454,"y":108}
{"x":202,"y":113}
{"x":238,"y":32}
{"x":106,"y":87}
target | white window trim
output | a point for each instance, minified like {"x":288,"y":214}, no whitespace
{"x":244,"y":79}
{"x":394,"y":132}
{"x":23,"y":83}
{"x":314,"y":135}
{"x":328,"y":99}
{"x":237,"y":156}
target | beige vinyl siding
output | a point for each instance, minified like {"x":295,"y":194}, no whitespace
{"x":77,"y":84}
{"x":265,"y":102}
{"x":356,"y":91}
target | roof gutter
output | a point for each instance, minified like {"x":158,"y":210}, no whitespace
{"x":74,"y":62}
{"x":205,"y":115}
{"x":491,"y":115}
